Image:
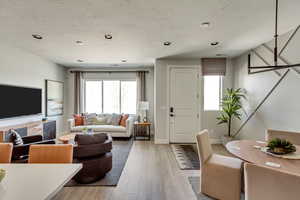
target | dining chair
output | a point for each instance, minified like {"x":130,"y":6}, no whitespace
{"x":5,"y":152}
{"x":262,"y":183}
{"x":293,"y":137}
{"x":2,"y":136}
{"x":51,"y":153}
{"x":220,"y":176}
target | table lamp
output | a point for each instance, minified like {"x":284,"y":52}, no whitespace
{"x":143,"y":106}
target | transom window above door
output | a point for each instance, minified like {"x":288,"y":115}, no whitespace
{"x":110,"y":96}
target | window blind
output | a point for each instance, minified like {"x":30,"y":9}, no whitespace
{"x":213,"y":66}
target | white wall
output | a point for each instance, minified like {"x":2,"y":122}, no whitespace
{"x":21,"y":68}
{"x":149,"y":89}
{"x":208,"y":118}
{"x":281,"y":110}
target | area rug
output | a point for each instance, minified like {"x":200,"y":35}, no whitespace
{"x":120,"y":153}
{"x":195,"y":183}
{"x":186,"y":156}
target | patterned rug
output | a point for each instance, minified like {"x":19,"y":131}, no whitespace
{"x":195,"y":183}
{"x":186,"y":156}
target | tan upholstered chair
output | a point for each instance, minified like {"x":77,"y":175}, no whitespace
{"x":51,"y":153}
{"x":5,"y":152}
{"x":2,"y":136}
{"x":293,"y":137}
{"x":220,"y":175}
{"x":262,"y":183}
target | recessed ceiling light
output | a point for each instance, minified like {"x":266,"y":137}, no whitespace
{"x":205,"y":24}
{"x":79,"y":42}
{"x":108,"y":36}
{"x":79,"y":60}
{"x":37,"y":36}
{"x":167,"y":43}
{"x":124,"y":60}
{"x":214,"y":43}
{"x":221,"y":55}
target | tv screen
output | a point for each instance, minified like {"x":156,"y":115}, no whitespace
{"x":19,"y":101}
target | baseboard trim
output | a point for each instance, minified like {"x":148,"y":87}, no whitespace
{"x":161,"y":141}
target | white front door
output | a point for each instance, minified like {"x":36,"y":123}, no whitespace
{"x":184,"y":104}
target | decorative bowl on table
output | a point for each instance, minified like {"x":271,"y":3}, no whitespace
{"x":280,"y":146}
{"x":2,"y":174}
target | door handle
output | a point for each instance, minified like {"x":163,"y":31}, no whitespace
{"x":171,"y":111}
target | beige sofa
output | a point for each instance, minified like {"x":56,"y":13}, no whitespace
{"x":113,"y":130}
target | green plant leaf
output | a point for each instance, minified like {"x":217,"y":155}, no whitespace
{"x":231,"y":104}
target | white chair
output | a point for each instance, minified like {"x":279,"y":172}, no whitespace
{"x":220,"y":175}
{"x":262,"y":183}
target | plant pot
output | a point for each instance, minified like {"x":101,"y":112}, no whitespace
{"x":225,"y":139}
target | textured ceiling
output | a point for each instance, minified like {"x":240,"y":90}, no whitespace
{"x":139,"y":27}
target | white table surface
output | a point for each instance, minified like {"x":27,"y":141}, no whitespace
{"x":35,"y":181}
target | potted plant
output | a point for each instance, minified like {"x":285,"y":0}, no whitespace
{"x":231,"y":105}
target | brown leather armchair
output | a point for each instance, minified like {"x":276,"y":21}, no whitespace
{"x":94,"y":152}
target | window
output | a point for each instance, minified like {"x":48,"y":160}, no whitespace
{"x":212,"y":92}
{"x":128,"y":96}
{"x":110,"y":96}
{"x":93,"y":96}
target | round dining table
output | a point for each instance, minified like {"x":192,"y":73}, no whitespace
{"x":249,"y":151}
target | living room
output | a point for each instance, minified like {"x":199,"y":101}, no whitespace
{"x":149,"y":99}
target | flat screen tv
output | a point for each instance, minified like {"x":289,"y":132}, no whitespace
{"x":19,"y":101}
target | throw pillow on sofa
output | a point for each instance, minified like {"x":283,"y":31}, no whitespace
{"x":15,"y":137}
{"x":99,"y":121}
{"x":89,"y":118}
{"x":123,"y":120}
{"x":79,"y":120}
{"x":109,"y":119}
{"x":115,"y":119}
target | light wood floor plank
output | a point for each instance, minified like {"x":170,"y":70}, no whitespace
{"x":151,"y":173}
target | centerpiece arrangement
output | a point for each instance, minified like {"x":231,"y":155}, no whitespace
{"x":280,"y":147}
{"x":2,"y":174}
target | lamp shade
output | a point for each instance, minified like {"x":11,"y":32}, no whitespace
{"x":143,"y":105}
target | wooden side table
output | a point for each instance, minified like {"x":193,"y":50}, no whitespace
{"x":142,"y":131}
